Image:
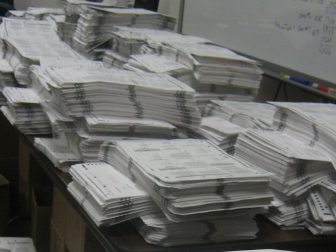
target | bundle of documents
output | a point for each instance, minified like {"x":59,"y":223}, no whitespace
{"x":295,"y":166}
{"x":73,"y":9}
{"x":28,"y":41}
{"x":190,"y":179}
{"x":220,"y":132}
{"x":107,"y":195}
{"x":108,"y":125}
{"x":25,"y":111}
{"x":312,"y":123}
{"x":58,"y":152}
{"x":244,"y":114}
{"x":322,"y":205}
{"x":157,"y":229}
{"x":212,"y":64}
{"x":34,"y":13}
{"x":16,"y":244}
{"x":288,"y":213}
{"x":96,"y":24}
{"x":81,"y":91}
{"x":6,"y":75}
{"x":113,"y":59}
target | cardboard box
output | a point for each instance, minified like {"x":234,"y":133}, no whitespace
{"x":56,"y":241}
{"x":4,"y":203}
{"x":40,"y":217}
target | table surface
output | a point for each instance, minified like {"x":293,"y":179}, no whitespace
{"x":124,"y":237}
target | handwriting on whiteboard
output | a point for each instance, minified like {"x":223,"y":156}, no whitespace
{"x":316,"y":18}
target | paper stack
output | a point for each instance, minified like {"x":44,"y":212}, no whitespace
{"x":96,"y":24}
{"x":219,"y":131}
{"x":28,"y":41}
{"x":157,"y":229}
{"x":190,"y":179}
{"x":58,"y":151}
{"x":16,"y":244}
{"x":313,"y":124}
{"x":213,"y":68}
{"x":6,"y":79}
{"x":244,"y":114}
{"x":83,"y":91}
{"x":34,"y":13}
{"x":107,"y":195}
{"x":296,"y":167}
{"x":73,"y":9}
{"x":24,"y":110}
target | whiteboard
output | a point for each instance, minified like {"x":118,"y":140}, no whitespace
{"x":295,"y":34}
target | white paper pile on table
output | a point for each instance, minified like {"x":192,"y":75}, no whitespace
{"x":157,"y":229}
{"x":96,"y":24}
{"x":73,"y":9}
{"x":127,"y":41}
{"x":24,"y":110}
{"x":6,"y":79}
{"x":36,"y":13}
{"x":314,"y":125}
{"x":213,"y":67}
{"x":108,"y":196}
{"x":296,"y":166}
{"x":244,"y":114}
{"x":16,"y":244}
{"x":190,"y":179}
{"x":58,"y":152}
{"x":81,"y":91}
{"x":322,"y":206}
{"x":219,"y":131}
{"x":28,"y":41}
{"x":288,"y":213}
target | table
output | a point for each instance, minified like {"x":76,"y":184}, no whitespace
{"x":124,"y":237}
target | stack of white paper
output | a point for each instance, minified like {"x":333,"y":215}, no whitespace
{"x":58,"y":152}
{"x":6,"y":78}
{"x":24,"y":110}
{"x":107,"y":195}
{"x":157,"y":229}
{"x":36,"y":13}
{"x":73,"y":9}
{"x":296,"y":168}
{"x":212,"y":65}
{"x":244,"y":114}
{"x":322,"y":205}
{"x":106,"y":124}
{"x":28,"y":41}
{"x":96,"y":24}
{"x":190,"y":179}
{"x":80,"y":91}
{"x":220,"y":132}
{"x":16,"y":244}
{"x":288,"y":213}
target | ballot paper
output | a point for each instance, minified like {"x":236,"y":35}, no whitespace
{"x":312,"y":123}
{"x":35,"y":13}
{"x":95,"y":25}
{"x":86,"y":91}
{"x":16,"y":244}
{"x":245,"y":114}
{"x":212,"y":64}
{"x":189,"y":179}
{"x":295,"y":166}
{"x":58,"y":152}
{"x":28,"y":41}
{"x":6,"y":74}
{"x":156,"y":229}
{"x":220,"y":132}
{"x":108,"y":196}
{"x":106,"y":124}
{"x":25,"y":111}
{"x":114,"y":59}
